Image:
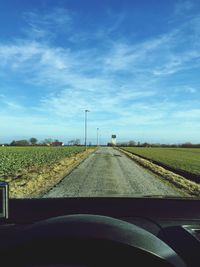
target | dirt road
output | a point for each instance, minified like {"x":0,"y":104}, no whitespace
{"x":109,"y":172}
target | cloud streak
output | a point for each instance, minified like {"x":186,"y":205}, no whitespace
{"x":124,"y":83}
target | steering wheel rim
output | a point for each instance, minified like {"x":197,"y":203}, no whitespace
{"x":92,"y":240}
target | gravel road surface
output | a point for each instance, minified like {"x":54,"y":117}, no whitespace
{"x":108,"y":172}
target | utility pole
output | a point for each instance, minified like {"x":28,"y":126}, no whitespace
{"x":86,"y":111}
{"x":97,"y":136}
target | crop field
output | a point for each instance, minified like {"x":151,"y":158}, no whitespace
{"x":14,"y":161}
{"x":181,"y":160}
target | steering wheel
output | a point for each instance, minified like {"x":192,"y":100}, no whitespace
{"x":89,"y":240}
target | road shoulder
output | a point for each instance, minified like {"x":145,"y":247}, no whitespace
{"x":36,"y":184}
{"x":189,"y":187}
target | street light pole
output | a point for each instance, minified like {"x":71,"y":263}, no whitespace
{"x":86,"y":111}
{"x":97,"y":136}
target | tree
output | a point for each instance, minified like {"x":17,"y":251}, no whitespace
{"x":46,"y":141}
{"x":33,"y":141}
{"x":13,"y":143}
{"x":145,"y":144}
{"x":131,"y":143}
{"x":71,"y":142}
{"x":20,"y":143}
{"x":187,"y":144}
{"x":77,"y":142}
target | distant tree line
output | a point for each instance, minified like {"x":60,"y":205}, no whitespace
{"x":32,"y":141}
{"x":46,"y":142}
{"x":77,"y":142}
{"x":132,"y":143}
{"x":74,"y":142}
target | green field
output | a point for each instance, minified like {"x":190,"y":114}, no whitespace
{"x":14,"y":161}
{"x":182,"y":159}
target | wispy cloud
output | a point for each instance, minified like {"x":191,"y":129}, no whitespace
{"x":164,"y":55}
{"x":183,"y":6}
{"x":122,"y":82}
{"x":187,"y":89}
{"x":10,"y":104}
{"x":188,"y":114}
{"x":47,"y":24}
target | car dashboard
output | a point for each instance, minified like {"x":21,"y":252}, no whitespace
{"x":176,"y":222}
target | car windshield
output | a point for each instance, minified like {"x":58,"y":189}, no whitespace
{"x":100,"y":98}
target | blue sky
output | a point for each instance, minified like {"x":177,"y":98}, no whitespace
{"x":134,"y":64}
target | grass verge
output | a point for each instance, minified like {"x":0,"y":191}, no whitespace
{"x":36,"y":183}
{"x":189,"y":187}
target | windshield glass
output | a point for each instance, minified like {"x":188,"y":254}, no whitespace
{"x":100,"y":98}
